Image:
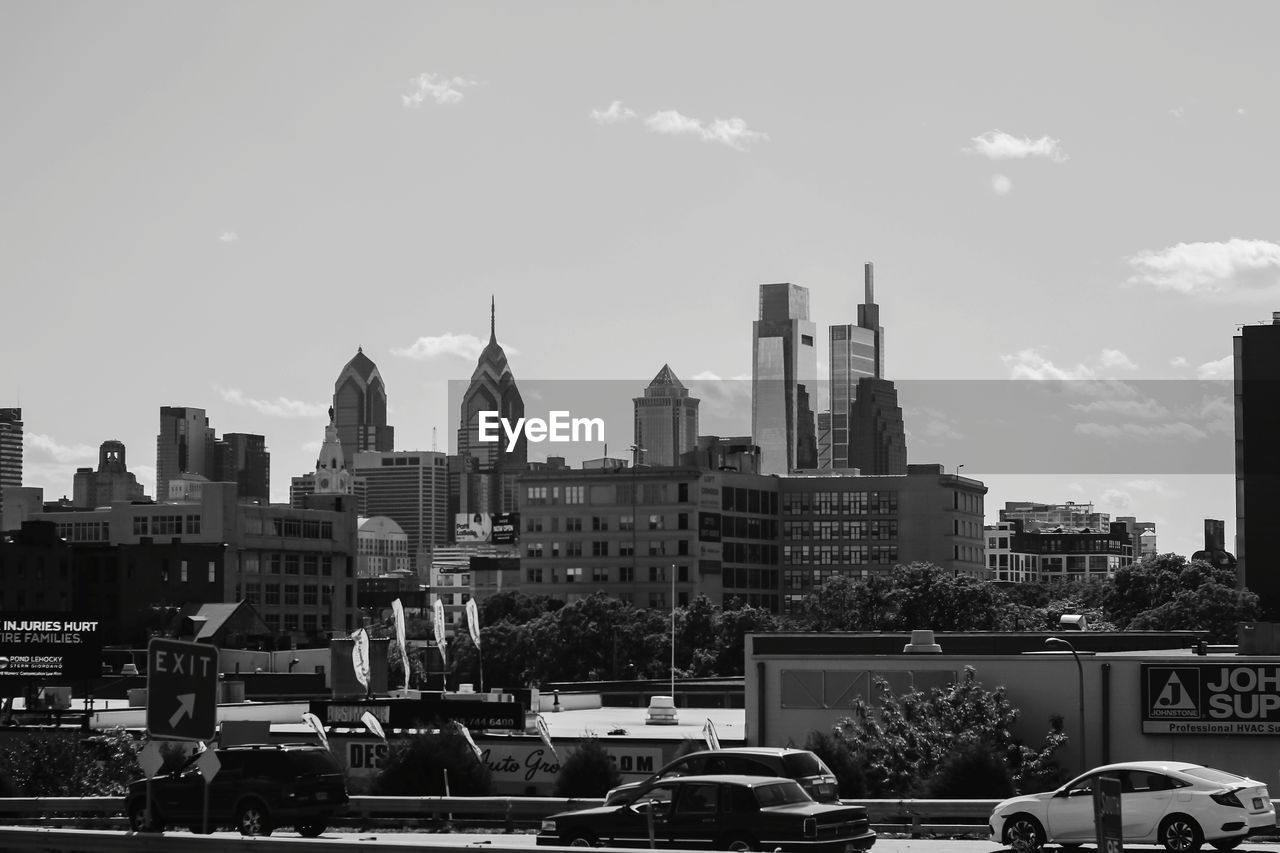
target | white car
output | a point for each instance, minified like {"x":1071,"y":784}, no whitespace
{"x":1173,"y":803}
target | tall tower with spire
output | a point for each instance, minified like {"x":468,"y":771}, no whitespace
{"x":360,"y":408}
{"x":483,"y":479}
{"x":666,"y":420}
{"x":856,"y":352}
{"x":332,"y":476}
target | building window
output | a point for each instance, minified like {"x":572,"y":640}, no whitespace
{"x":627,"y":522}
{"x":310,"y":564}
{"x":291,"y":595}
{"x":193,"y":524}
{"x":627,"y":574}
{"x":573,"y":525}
{"x":253,"y":593}
{"x":273,"y":594}
{"x":533,"y":549}
{"x":533,"y":524}
{"x":600,"y":549}
{"x":573,"y":575}
{"x":310,"y":595}
{"x":291,"y":622}
{"x":599,"y":523}
{"x":657,"y":574}
{"x":599,"y":575}
{"x":182,"y":572}
{"x":535,"y":495}
{"x":533,"y":575}
{"x":291,"y":563}
{"x":213,"y":572}
{"x":655,"y":522}
{"x":626,"y":549}
{"x":574,"y":494}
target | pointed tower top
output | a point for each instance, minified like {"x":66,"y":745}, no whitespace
{"x":666,"y":376}
{"x":493,"y":319}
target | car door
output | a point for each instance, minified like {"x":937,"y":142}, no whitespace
{"x":694,"y":818}
{"x":180,"y":795}
{"x":225,"y":788}
{"x":1069,"y":813}
{"x":1145,"y":796}
{"x":647,"y":817}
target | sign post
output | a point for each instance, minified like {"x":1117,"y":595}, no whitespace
{"x":1106,"y":815}
{"x":182,"y":690}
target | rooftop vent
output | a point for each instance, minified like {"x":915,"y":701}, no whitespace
{"x":922,"y":644}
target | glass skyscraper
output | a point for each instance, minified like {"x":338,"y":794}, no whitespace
{"x":784,"y":370}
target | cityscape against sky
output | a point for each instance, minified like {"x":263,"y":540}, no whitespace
{"x":214,"y":204}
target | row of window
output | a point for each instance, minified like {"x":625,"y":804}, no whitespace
{"x":603,"y":548}
{"x":840,"y":503}
{"x":184,"y":573}
{"x":617,"y":494}
{"x":753,"y":553}
{"x":884,"y":529}
{"x":749,"y":500}
{"x":301,"y":528}
{"x":540,"y":524}
{"x":810,"y":579}
{"x":750,"y":578}
{"x":85,"y":531}
{"x":831,"y":555}
{"x":283,"y":563}
{"x":289,"y":594}
{"x":166,"y":525}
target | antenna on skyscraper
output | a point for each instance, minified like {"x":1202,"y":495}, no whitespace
{"x":433,"y":439}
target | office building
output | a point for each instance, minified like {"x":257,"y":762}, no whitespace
{"x":360,"y":408}
{"x":483,"y":473}
{"x":666,"y":420}
{"x":411,"y":487}
{"x":110,"y":483}
{"x":1070,"y":514}
{"x":1257,"y":423}
{"x":129,"y":561}
{"x":784,"y":370}
{"x":383,"y":548}
{"x":242,"y":458}
{"x":766,"y":541}
{"x":855,"y":352}
{"x":877,"y":433}
{"x":1142,"y":535}
{"x":10,"y":450}
{"x":185,"y":445}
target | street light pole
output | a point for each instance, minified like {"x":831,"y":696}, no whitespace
{"x":1084,"y":749}
{"x":673,"y":634}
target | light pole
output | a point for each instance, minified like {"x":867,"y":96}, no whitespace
{"x":1084,"y":749}
{"x":958,"y":467}
{"x":673,"y":635}
{"x":636,"y":450}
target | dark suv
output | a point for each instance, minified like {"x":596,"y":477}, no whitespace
{"x":799,"y":764}
{"x":257,"y":788}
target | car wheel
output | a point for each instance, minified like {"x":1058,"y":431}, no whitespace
{"x":1023,"y":833}
{"x":311,"y":830}
{"x":738,"y":843}
{"x":1227,"y":844}
{"x":1180,"y":834}
{"x":140,"y":821}
{"x":581,"y":838}
{"x":253,"y":819}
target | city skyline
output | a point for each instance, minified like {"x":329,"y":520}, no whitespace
{"x":1070,"y":194}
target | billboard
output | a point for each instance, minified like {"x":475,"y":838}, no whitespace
{"x":472,"y":527}
{"x":1198,"y":699}
{"x":506,"y":528}
{"x":41,"y":646}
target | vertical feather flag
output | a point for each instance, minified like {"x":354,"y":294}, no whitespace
{"x":545,"y":734}
{"x":709,"y":734}
{"x":437,"y":628}
{"x":360,"y":656}
{"x":312,"y":720}
{"x":372,"y":724}
{"x":466,"y":734}
{"x":473,"y":621}
{"x":397,"y":611}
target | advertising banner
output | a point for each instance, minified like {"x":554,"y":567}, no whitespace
{"x":469,"y":527}
{"x":506,"y":526}
{"x":39,"y":646}
{"x":1200,"y":699}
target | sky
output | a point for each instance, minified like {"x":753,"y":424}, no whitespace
{"x":214,"y":204}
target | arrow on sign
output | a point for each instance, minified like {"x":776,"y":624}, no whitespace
{"x":186,"y":708}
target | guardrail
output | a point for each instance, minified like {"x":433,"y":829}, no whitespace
{"x":914,"y":817}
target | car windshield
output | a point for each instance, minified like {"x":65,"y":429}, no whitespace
{"x":1210,"y":775}
{"x":799,"y":764}
{"x":781,"y":794}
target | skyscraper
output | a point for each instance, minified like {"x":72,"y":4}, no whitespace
{"x":483,"y":475}
{"x":666,"y":420}
{"x":855,"y":352}
{"x":360,"y":408}
{"x":411,"y":487}
{"x":242,"y":458}
{"x":877,"y":435}
{"x":185,"y":445}
{"x":10,"y":449}
{"x":1257,"y":407}
{"x":784,"y":368}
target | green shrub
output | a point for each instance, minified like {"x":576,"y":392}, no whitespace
{"x":416,"y":767}
{"x":842,"y":760}
{"x":973,"y":770}
{"x":588,"y":771}
{"x":68,"y":764}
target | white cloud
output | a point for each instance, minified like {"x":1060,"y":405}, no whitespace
{"x":464,"y":346}
{"x":1001,"y":185}
{"x":1178,"y":430}
{"x":1030,"y":364}
{"x":1141,"y":408}
{"x":705,"y":376}
{"x":1116,"y":359}
{"x":437,"y":87}
{"x":730,"y":131}
{"x":936,"y":425}
{"x":998,"y":145}
{"x":280,"y":407}
{"x":614,"y":114}
{"x":1178,"y":112}
{"x":1248,"y":269}
{"x":1223,"y":368}
{"x":1240,"y":111}
{"x":1117,"y":499}
{"x":1178,"y":361}
{"x":50,"y":448}
{"x":228,"y":237}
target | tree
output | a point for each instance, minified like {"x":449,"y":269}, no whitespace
{"x":416,"y":767}
{"x":69,"y":764}
{"x":837,"y":755}
{"x":902,"y":740}
{"x":932,"y":597}
{"x":588,"y":771}
{"x":1169,"y":592}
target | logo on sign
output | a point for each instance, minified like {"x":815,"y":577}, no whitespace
{"x":1174,"y":692}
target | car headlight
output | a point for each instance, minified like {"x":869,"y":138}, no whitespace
{"x":548,"y":826}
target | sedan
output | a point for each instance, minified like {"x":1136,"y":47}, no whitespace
{"x":718,"y":812}
{"x":1173,"y":803}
